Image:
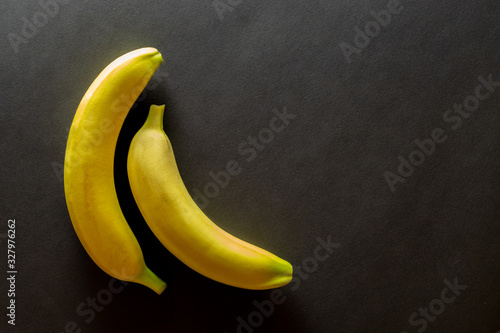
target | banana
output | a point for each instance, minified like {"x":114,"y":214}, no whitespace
{"x":180,"y":224}
{"x":88,"y":168}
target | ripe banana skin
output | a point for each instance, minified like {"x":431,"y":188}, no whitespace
{"x":182,"y":227}
{"x":88,"y":168}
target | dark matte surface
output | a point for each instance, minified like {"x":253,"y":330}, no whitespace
{"x":321,"y":176}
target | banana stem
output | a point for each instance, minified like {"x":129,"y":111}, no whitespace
{"x":155,"y":117}
{"x":150,"y":280}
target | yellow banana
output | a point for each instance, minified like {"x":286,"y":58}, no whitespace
{"x":182,"y":227}
{"x":88,"y":168}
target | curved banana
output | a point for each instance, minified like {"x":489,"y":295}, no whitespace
{"x":88,"y":168}
{"x":182,"y":227}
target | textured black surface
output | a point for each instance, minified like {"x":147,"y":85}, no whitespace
{"x":394,"y":253}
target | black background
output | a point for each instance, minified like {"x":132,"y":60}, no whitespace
{"x":322,"y":176}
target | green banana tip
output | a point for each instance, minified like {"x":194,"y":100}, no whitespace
{"x":155,"y":116}
{"x":152,"y":281}
{"x":157,"y":108}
